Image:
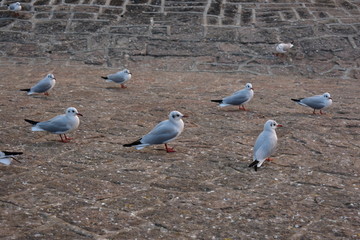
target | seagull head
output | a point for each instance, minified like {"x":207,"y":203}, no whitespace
{"x":50,"y":76}
{"x":71,"y":111}
{"x":249,"y":86}
{"x":176,"y":116}
{"x":327,"y":96}
{"x":127,"y":71}
{"x":271,"y":124}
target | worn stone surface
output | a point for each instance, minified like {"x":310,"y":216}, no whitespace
{"x":182,"y":54}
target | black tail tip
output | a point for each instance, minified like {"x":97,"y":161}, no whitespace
{"x":25,"y":89}
{"x":137,"y":142}
{"x":12,"y":153}
{"x":31,"y":121}
{"x":217,"y":101}
{"x":254,"y":164}
{"x":296,"y":100}
{"x":104,"y":77}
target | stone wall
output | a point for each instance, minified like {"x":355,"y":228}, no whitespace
{"x":203,"y":35}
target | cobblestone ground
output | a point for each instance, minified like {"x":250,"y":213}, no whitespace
{"x":182,"y":54}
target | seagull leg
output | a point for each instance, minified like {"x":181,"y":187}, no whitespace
{"x":322,"y":112}
{"x":123,"y":86}
{"x":241,"y":107}
{"x":314,"y":112}
{"x":46,"y":94}
{"x":67,"y":138}
{"x":62,"y":140}
{"x":168,"y":149}
{"x":269,"y":159}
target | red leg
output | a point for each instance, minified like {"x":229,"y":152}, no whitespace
{"x":67,"y":138}
{"x":46,"y":93}
{"x":314,"y":112}
{"x":62,"y":140}
{"x":322,"y":113}
{"x":123,"y":86}
{"x":269,"y":159}
{"x":168,"y":149}
{"x":242,"y":107}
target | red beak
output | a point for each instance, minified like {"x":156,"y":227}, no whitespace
{"x":279,"y":125}
{"x":79,"y":114}
{"x":185,"y":116}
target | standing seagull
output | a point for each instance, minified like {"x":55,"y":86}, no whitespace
{"x":15,"y":7}
{"x":283,"y":47}
{"x":60,"y":124}
{"x":6,"y":157}
{"x":265,"y":144}
{"x":43,"y":86}
{"x":315,"y":102}
{"x":164,"y":132}
{"x":239,"y":98}
{"x":119,"y":77}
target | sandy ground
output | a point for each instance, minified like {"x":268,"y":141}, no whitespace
{"x":95,"y":188}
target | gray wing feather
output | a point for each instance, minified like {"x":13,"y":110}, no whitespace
{"x":264,"y":146}
{"x":316,"y":102}
{"x":237,"y":98}
{"x":118,"y":77}
{"x":161,"y":133}
{"x":42,"y":86}
{"x":56,"y":125}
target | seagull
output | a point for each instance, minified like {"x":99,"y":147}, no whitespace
{"x":6,"y":157}
{"x":238,"y":98}
{"x":265,"y":144}
{"x":60,"y":124}
{"x":283,"y":47}
{"x":119,"y":77}
{"x":43,"y":86}
{"x":15,"y":7}
{"x":163,"y":133}
{"x":315,"y":102}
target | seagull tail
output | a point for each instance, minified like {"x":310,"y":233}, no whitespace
{"x":25,"y":89}
{"x":31,"y":121}
{"x":137,"y":142}
{"x":254,"y":164}
{"x":217,"y":101}
{"x":296,"y":100}
{"x":12,"y":153}
{"x":104,"y":77}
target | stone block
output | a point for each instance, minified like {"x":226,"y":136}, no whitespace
{"x":53,"y":26}
{"x":255,"y":35}
{"x":222,"y":34}
{"x":290,"y":33}
{"x":130,"y":30}
{"x":82,"y":26}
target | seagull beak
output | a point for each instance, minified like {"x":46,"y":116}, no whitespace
{"x":185,"y":116}
{"x":252,"y":88}
{"x":279,"y":125}
{"x":79,"y":114}
{"x":330,"y":98}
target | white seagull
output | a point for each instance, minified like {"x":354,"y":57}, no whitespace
{"x":163,"y":133}
{"x":265,"y":144}
{"x":7,"y":157}
{"x":43,"y":86}
{"x":239,"y":98}
{"x":119,"y":77}
{"x":15,"y":7}
{"x":315,"y":102}
{"x":283,"y":47}
{"x":60,"y":124}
